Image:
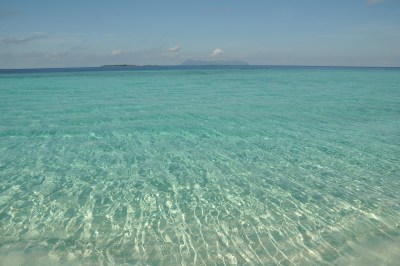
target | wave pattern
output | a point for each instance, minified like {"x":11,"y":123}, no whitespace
{"x":200,"y":167}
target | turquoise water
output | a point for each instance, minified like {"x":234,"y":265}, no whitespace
{"x":200,"y":166}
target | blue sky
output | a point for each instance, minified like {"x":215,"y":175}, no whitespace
{"x":51,"y":33}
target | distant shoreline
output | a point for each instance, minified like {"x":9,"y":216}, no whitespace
{"x":7,"y":70}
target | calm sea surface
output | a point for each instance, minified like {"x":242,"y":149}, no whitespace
{"x":200,"y":166}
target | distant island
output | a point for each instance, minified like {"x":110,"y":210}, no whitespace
{"x":126,"y":65}
{"x":191,"y":62}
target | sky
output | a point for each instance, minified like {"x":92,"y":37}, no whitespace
{"x":76,"y":33}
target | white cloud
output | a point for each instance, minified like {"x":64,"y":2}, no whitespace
{"x":116,"y":52}
{"x":217,"y":52}
{"x":174,"y":49}
{"x":56,"y":55}
{"x":370,"y":2}
{"x":19,"y":40}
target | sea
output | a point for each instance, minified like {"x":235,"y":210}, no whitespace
{"x":206,"y":165}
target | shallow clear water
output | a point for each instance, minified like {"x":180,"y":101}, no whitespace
{"x":194,"y":166}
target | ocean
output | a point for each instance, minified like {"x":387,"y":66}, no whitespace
{"x":246,"y":165}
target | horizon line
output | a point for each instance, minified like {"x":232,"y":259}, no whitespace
{"x":115,"y":66}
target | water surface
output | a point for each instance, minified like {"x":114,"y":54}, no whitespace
{"x":200,"y":166}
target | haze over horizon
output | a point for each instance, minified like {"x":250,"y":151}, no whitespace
{"x":94,"y":33}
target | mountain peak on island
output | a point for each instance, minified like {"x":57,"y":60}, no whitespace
{"x":191,"y":62}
